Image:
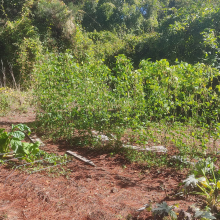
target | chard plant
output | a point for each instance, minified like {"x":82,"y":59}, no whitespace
{"x":13,"y":141}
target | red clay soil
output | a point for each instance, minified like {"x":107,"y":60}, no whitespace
{"x":114,"y":189}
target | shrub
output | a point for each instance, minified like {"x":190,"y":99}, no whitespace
{"x":89,"y":96}
{"x":74,"y":96}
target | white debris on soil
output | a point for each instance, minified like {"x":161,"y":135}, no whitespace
{"x":144,"y":207}
{"x":158,"y":149}
{"x":182,"y":160}
{"x":102,"y":137}
{"x":34,"y":139}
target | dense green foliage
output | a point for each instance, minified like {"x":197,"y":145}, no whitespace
{"x":71,"y":52}
{"x":36,"y":26}
{"x":78,"y":99}
{"x":142,"y":72}
{"x":157,"y":29}
{"x":90,"y":93}
{"x":114,"y":65}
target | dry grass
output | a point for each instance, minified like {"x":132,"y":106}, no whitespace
{"x":12,"y":101}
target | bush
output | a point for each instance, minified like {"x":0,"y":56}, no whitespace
{"x":90,"y":97}
{"x":74,"y":96}
{"x":181,"y":91}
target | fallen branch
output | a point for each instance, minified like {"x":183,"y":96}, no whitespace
{"x":80,"y":158}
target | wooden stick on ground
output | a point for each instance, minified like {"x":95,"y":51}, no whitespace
{"x":80,"y":158}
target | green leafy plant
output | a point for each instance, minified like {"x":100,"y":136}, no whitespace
{"x":4,"y":105}
{"x":204,"y":214}
{"x":159,"y":103}
{"x":210,"y":190}
{"x":190,"y":183}
{"x":206,"y":185}
{"x":162,"y":210}
{"x":4,"y":141}
{"x":13,"y":141}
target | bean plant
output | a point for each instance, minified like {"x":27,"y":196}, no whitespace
{"x":156,"y":104}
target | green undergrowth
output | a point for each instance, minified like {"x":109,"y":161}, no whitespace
{"x":157,"y":104}
{"x":30,"y":157}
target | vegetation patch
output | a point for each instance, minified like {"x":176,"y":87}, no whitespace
{"x":115,"y":76}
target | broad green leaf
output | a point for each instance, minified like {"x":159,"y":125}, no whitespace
{"x":2,"y":130}
{"x":30,"y":148}
{"x":17,"y":135}
{"x":34,"y":149}
{"x":204,"y":214}
{"x":22,"y":127}
{"x":4,"y":142}
{"x":163,"y":208}
{"x":26,"y":147}
{"x":16,"y":146}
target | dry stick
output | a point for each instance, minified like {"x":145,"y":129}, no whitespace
{"x":4,"y":76}
{"x":11,"y":71}
{"x":79,"y":157}
{"x":29,"y":138}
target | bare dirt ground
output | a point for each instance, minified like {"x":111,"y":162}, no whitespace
{"x":115,"y":189}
